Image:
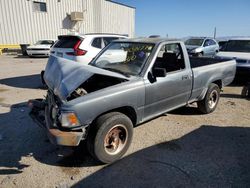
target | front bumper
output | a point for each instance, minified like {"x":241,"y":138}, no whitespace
{"x":38,"y":52}
{"x":55,"y":135}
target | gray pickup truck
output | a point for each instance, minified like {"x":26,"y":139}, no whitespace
{"x":129,"y":82}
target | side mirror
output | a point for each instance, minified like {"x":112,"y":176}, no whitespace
{"x":159,"y":72}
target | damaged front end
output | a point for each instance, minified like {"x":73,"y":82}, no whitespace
{"x":46,"y":114}
{"x":64,"y":77}
{"x":68,"y":80}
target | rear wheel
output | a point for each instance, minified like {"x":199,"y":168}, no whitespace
{"x":110,"y":137}
{"x":210,"y":102}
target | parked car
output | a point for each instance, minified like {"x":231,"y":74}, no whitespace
{"x":201,"y":46}
{"x":103,"y":101}
{"x":40,"y":48}
{"x":238,"y":49}
{"x":82,"y":48}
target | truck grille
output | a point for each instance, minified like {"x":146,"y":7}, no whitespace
{"x":52,"y":111}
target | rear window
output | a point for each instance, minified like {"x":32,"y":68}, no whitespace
{"x":108,"y":40}
{"x":194,"y":42}
{"x":66,"y":42}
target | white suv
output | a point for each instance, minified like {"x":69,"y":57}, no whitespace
{"x":82,"y":48}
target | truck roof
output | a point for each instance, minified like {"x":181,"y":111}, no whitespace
{"x":149,"y":40}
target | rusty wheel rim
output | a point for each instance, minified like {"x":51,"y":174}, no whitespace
{"x":116,"y":139}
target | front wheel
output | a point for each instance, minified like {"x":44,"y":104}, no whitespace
{"x":200,"y":54}
{"x":110,"y":137}
{"x":210,"y":102}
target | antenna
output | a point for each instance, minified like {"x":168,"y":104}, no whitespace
{"x":214,"y":32}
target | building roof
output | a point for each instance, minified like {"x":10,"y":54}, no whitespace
{"x":120,"y":4}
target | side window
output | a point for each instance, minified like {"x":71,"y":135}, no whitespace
{"x":170,"y":57}
{"x":212,"y":42}
{"x":108,"y":40}
{"x":207,"y":43}
{"x":97,"y":43}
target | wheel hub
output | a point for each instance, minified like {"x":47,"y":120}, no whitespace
{"x":213,"y":98}
{"x":115,"y":139}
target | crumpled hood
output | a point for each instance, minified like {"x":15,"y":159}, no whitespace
{"x":63,"y":76}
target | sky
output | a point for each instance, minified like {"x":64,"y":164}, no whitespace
{"x":182,"y":18}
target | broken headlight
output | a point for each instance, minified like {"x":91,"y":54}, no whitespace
{"x":69,"y":119}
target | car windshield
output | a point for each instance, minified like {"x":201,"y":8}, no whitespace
{"x":126,"y":58}
{"x":237,"y":46}
{"x":194,"y":42}
{"x":49,"y":42}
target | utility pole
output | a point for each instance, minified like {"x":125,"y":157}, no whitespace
{"x":214,"y":32}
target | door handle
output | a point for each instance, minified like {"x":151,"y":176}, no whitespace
{"x":185,"y":77}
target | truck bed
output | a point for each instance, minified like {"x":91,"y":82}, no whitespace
{"x":209,"y":70}
{"x":202,"y":61}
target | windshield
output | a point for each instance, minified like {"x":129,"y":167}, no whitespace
{"x":126,"y":58}
{"x":237,"y":46}
{"x":49,"y":42}
{"x":194,"y":42}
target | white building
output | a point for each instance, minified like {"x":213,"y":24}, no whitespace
{"x":26,"y":21}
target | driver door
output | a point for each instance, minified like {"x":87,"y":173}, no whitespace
{"x":172,"y":90}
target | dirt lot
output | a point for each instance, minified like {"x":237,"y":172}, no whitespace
{"x":180,"y":149}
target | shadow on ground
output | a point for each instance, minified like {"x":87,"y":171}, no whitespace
{"x":30,"y":81}
{"x":21,"y":137}
{"x":207,"y":157}
{"x":188,"y":110}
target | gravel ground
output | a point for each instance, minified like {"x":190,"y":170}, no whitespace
{"x":180,"y":149}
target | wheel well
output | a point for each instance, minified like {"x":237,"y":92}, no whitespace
{"x":218,"y":82}
{"x":127,"y":110}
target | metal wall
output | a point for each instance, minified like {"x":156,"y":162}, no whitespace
{"x":108,"y":17}
{"x":19,"y":23}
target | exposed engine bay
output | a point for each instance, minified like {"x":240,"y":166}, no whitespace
{"x":95,"y":83}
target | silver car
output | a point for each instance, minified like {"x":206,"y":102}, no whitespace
{"x":201,"y":46}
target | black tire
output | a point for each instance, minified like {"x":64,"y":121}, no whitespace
{"x":42,"y":78}
{"x":109,"y":137}
{"x":246,"y":91}
{"x":200,"y":54}
{"x":210,"y":102}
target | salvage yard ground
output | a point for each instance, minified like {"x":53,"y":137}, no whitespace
{"x":181,"y":148}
